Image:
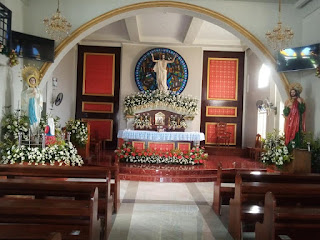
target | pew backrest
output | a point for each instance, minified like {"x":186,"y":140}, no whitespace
{"x":62,"y":205}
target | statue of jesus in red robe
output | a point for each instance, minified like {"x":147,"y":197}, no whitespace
{"x":294,"y":113}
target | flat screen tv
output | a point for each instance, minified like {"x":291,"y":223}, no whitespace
{"x":29,"y":46}
{"x":299,"y":58}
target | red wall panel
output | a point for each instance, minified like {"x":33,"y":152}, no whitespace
{"x":222,"y":78}
{"x":98,"y":77}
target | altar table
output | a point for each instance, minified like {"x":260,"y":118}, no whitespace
{"x":161,"y":140}
{"x":161,"y":136}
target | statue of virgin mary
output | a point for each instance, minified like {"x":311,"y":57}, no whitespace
{"x":31,"y":98}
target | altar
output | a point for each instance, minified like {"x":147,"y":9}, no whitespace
{"x":161,"y":140}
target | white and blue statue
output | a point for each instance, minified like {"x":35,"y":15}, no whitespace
{"x":31,"y":98}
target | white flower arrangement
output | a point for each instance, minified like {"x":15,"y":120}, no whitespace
{"x":153,"y":99}
{"x":63,"y":154}
{"x":12,"y":124}
{"x":275,"y":151}
{"x":183,"y":123}
{"x":11,"y":153}
{"x":177,"y":124}
{"x":79,"y":132}
{"x":142,"y":122}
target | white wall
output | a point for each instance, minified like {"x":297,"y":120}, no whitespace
{"x":66,"y":73}
{"x":252,"y":95}
{"x":131,"y":53}
{"x":17,"y":8}
{"x":10,"y":80}
{"x":308,"y":80}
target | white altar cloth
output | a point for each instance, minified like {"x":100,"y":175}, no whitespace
{"x":161,"y":136}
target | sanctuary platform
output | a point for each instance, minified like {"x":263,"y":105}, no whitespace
{"x":229,"y":157}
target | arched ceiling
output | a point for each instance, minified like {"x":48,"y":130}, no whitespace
{"x":161,"y":27}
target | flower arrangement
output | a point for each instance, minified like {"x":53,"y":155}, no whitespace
{"x":12,"y":124}
{"x":10,"y":152}
{"x":63,"y":154}
{"x":157,"y":98}
{"x":142,"y":122}
{"x":12,"y":55}
{"x":127,"y":153}
{"x":275,"y":151}
{"x":13,"y":58}
{"x":176,"y":124}
{"x":79,"y":132}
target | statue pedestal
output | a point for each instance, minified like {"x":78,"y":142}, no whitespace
{"x":301,"y":162}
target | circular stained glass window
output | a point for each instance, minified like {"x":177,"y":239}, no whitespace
{"x":177,"y":71}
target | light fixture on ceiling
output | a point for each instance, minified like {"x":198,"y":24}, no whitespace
{"x":280,"y":36}
{"x":57,"y":26}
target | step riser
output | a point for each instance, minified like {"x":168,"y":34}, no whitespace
{"x":167,"y":172}
{"x":167,"y":179}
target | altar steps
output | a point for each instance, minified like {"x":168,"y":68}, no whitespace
{"x":166,"y":173}
{"x":177,"y":179}
{"x":229,"y":157}
{"x":227,"y":151}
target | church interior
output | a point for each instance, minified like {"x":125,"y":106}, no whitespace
{"x":159,"y":119}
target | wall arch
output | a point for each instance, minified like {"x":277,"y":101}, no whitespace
{"x":193,"y":10}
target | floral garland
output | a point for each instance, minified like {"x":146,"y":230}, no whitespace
{"x":11,"y":54}
{"x":127,"y":153}
{"x":157,"y":98}
{"x":275,"y":150}
{"x":79,"y":132}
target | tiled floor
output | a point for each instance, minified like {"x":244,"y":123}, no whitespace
{"x":170,"y":211}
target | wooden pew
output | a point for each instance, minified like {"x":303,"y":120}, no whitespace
{"x":86,"y":176}
{"x":59,"y":210}
{"x":247,"y":205}
{"x":221,"y":193}
{"x":92,"y":175}
{"x":47,"y":171}
{"x":51,"y":236}
{"x":299,"y":220}
{"x":54,"y":236}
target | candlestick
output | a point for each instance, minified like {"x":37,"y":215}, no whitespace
{"x":43,"y":140}
{"x":20,"y":138}
{"x":29,"y":137}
